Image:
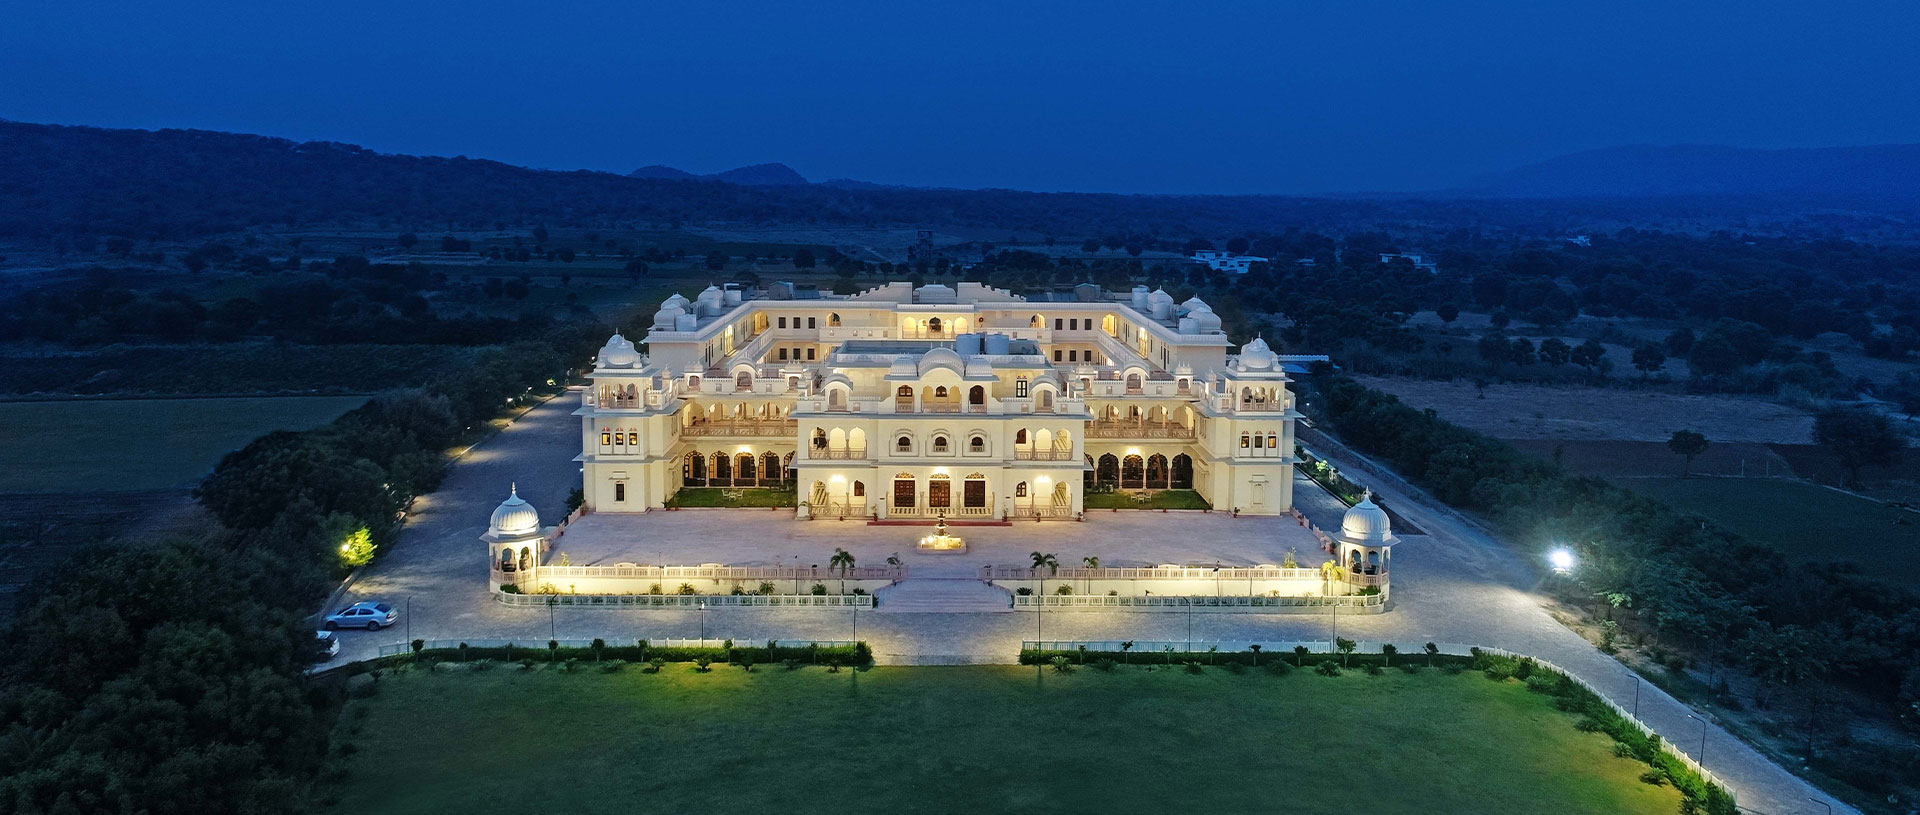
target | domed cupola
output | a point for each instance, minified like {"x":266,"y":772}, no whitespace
{"x":1256,"y":356}
{"x":618,"y":353}
{"x":668,"y":314}
{"x":1366,"y":524}
{"x":514,"y":518}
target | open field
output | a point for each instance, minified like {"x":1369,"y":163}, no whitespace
{"x":1542,"y":412}
{"x":232,"y":368}
{"x":1806,"y":522}
{"x":936,"y":740}
{"x":141,"y":444}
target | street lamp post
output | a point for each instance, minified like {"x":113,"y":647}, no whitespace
{"x":1189,"y":625}
{"x":703,"y":622}
{"x":1703,"y":738}
{"x":1636,"y":696}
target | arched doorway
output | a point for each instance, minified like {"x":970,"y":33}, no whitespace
{"x":1182,"y":472}
{"x":1156,"y":471}
{"x":1133,"y":473}
{"x":1107,"y":472}
{"x":903,"y":492}
{"x":693,"y":470}
{"x":939,"y":493}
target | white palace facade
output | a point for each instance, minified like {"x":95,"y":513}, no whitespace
{"x":904,"y":402}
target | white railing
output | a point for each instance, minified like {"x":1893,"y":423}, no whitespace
{"x":895,"y":573}
{"x":1041,"y":512}
{"x":1148,"y":573}
{"x":774,"y":428}
{"x":691,"y":601}
{"x":1043,"y":455}
{"x":1157,"y":602}
{"x":541,"y":645}
{"x":820,"y":452}
{"x":982,"y":511}
{"x":1132,"y":430}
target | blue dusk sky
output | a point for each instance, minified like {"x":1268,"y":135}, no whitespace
{"x":1277,"y":97}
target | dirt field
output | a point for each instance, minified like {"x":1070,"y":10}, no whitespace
{"x":1599,"y":414}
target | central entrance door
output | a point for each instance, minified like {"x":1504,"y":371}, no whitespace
{"x":939,"y":493}
{"x":903,"y":492}
{"x":975,"y":495}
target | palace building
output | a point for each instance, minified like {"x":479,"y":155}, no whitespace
{"x":905,"y":402}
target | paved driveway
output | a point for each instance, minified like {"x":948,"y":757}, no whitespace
{"x":1454,"y":584}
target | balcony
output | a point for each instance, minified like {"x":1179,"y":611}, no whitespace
{"x":1138,"y":430}
{"x":1043,"y":455}
{"x":745,"y":427}
{"x":838,"y":452}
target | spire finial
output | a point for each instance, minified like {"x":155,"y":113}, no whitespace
{"x":513,"y":489}
{"x":1366,"y":495}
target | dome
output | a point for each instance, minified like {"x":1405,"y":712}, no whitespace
{"x":618,"y":352}
{"x":942,"y":357}
{"x":1366,"y":523}
{"x":1159,"y":296}
{"x":1194,"y":303}
{"x":676,"y":301}
{"x":1256,"y":356}
{"x":514,"y":517}
{"x":666,"y":316}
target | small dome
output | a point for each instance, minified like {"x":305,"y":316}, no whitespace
{"x":618,"y":353}
{"x":1160,"y":296}
{"x":942,"y":358}
{"x":1194,"y":303}
{"x":666,"y":316}
{"x":677,"y":300}
{"x":514,"y":517}
{"x":1256,"y":356}
{"x":1366,"y":523}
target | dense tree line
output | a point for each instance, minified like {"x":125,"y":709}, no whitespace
{"x":171,"y":678}
{"x":346,"y":300}
{"x":1692,"y":585}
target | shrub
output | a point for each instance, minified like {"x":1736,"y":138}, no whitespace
{"x":1621,"y":750}
{"x":744,"y":660}
{"x":1194,"y":668}
{"x":1236,"y":667}
{"x":702,"y":663}
{"x":818,"y":589}
{"x":1409,"y":667}
{"x":766,"y":587}
{"x":1061,"y":665}
{"x":613,"y":666}
{"x":1372,"y":669}
{"x":1328,"y":668}
{"x":686,"y":589}
{"x":1023,"y":591}
{"x":1278,"y":668}
{"x":654,"y":665}
{"x":1543,"y":683}
{"x":1654,"y":778}
{"x":790,"y":664}
{"x":1499,"y":673}
{"x":1105,"y":665}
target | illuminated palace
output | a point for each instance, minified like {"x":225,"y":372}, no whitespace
{"x":936,"y":401}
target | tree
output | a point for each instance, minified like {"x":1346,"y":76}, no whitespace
{"x":1680,"y":342}
{"x":1345,"y":646}
{"x":1433,"y":650}
{"x":1858,"y":437}
{"x":1687,"y":444}
{"x":1555,"y":351}
{"x":1447,"y":312}
{"x":408,"y":240}
{"x":1588,"y":354}
{"x":1905,"y":392}
{"x":1495,"y":349}
{"x":716,"y":260}
{"x":1090,"y":246}
{"x":842,"y":562}
{"x":356,"y":549}
{"x":1713,"y":355}
{"x":1300,"y":655}
{"x":1388,"y":650}
{"x":1649,"y":358}
{"x":803,"y":258}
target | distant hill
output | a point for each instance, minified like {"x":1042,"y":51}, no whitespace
{"x":1829,"y":174}
{"x":758,"y":175}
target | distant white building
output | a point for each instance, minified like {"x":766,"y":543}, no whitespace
{"x":1220,"y":261}
{"x":1418,"y":261}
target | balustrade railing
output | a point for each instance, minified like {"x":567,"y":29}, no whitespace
{"x":548,"y":573}
{"x":1043,"y":455}
{"x":750,"y":427}
{"x":1137,"y":430}
{"x":837,"y":452}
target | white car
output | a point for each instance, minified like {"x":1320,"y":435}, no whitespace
{"x":329,"y":645}
{"x":370,"y":616}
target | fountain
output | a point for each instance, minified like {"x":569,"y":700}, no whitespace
{"x":940,"y":542}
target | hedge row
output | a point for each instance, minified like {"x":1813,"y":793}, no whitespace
{"x":857,"y":654}
{"x":1032,"y":656}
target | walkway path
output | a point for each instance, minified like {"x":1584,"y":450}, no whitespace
{"x":1456,"y":584}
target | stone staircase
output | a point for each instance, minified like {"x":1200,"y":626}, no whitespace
{"x":933,"y":594}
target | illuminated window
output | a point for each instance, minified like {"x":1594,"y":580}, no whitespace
{"x":1020,"y":490}
{"x":859,"y":489}
{"x":1020,"y":386}
{"x":1273,"y":441}
{"x":633,"y":437}
{"x":606,"y":438}
{"x":1244,"y":441}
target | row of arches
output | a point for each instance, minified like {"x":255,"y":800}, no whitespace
{"x":932,"y":327}
{"x":737,"y":470}
{"x":1133,"y":472}
{"x":618,"y":396}
{"x":511,"y":561}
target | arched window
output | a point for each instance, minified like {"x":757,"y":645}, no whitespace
{"x":1046,"y":400}
{"x":694,"y":470}
{"x":770,"y":468}
{"x":903,"y":397}
{"x":1108,"y":470}
{"x":1034,"y":321}
{"x":933,"y":325}
{"x":833,"y":320}
{"x":633,"y":437}
{"x":1273,"y":441}
{"x":1157,"y":471}
{"x":940,"y":444}
{"x":977,"y":444}
{"x":1133,"y":382}
{"x":1133,"y":472}
{"x":819,"y":439}
{"x":722,"y":471}
{"x":1020,"y":436}
{"x":743,"y":382}
{"x":744,"y":468}
{"x":1182,"y":472}
{"x":940,"y":392}
{"x":859,"y":487}
{"x":903,"y":444}
{"x":526,"y":558}
{"x":1243,"y":441}
{"x":977,"y":395}
{"x":1020,"y":490}
{"x":506,"y":559}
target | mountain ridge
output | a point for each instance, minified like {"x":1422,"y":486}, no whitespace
{"x":1883,"y":171}
{"x":770,"y":174}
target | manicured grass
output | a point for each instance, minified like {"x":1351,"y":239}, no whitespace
{"x":1162,"y":499}
{"x":716,"y":497}
{"x":972,"y":740}
{"x":1805,"y":522}
{"x":141,"y":444}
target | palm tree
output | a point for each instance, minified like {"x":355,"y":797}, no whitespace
{"x":1125,"y":648}
{"x":1300,"y":655}
{"x":1388,"y":651}
{"x":1255,"y":648}
{"x":842,"y":561}
{"x":1092,"y":562}
{"x":1330,"y":571}
{"x":1432,"y":650}
{"x":1048,"y":560}
{"x":1346,"y":647}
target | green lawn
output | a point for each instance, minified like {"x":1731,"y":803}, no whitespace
{"x":141,"y":444}
{"x":716,"y":497}
{"x":1803,"y":521}
{"x":972,"y":740}
{"x":1160,"y":499}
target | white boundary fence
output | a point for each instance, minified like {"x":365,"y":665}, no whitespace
{"x":1157,"y":602}
{"x":664,"y":642}
{"x":715,"y":572}
{"x":693,"y":601}
{"x":1149,"y":573}
{"x":1147,"y":649}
